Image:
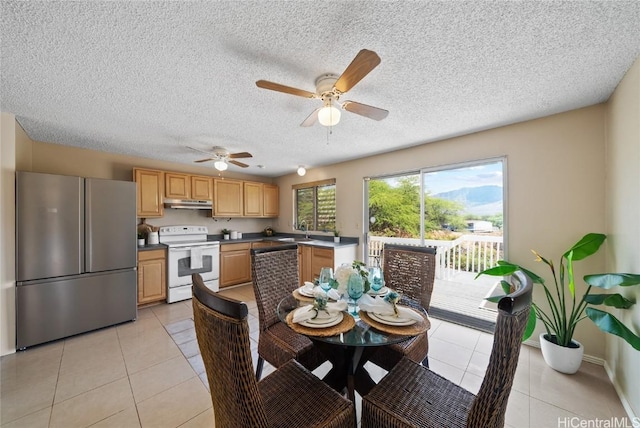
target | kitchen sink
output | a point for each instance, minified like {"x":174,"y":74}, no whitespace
{"x":295,"y":239}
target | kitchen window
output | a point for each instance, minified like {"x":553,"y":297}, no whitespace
{"x":315,"y":205}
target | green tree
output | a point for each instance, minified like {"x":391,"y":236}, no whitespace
{"x":395,"y":208}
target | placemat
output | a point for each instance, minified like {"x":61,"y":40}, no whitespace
{"x":347,"y":323}
{"x":407,"y":330}
{"x":301,"y":297}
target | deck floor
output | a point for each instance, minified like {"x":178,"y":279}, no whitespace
{"x":464,"y":295}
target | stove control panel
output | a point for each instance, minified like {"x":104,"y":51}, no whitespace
{"x":183,"y":230}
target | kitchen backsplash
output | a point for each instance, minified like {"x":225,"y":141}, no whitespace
{"x":173,"y":217}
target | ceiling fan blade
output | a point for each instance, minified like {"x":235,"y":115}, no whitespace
{"x":265,"y":84}
{"x":374,"y":113}
{"x":240,"y":155}
{"x":204,"y":160}
{"x":361,"y":65}
{"x":311,"y":119}
{"x":240,"y":164}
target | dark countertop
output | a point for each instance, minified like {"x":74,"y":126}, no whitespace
{"x":316,"y":241}
{"x":153,"y":247}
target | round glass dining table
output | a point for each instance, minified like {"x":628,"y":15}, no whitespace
{"x":348,"y":351}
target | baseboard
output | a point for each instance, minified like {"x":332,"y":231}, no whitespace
{"x":588,"y":358}
{"x":621,"y":396}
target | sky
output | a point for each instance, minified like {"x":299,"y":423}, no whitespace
{"x":457,"y":178}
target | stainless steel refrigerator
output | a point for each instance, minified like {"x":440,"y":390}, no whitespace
{"x":76,"y":255}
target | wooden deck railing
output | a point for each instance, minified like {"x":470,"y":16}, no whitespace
{"x":467,"y":253}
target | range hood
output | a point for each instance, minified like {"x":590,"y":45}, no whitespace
{"x":188,"y":204}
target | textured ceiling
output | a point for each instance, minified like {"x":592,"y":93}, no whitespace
{"x":151,"y":78}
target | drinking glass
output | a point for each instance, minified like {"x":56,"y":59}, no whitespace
{"x":375,"y":278}
{"x":326,"y":274}
{"x":355,"y":288}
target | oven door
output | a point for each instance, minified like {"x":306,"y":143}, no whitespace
{"x":196,"y":258}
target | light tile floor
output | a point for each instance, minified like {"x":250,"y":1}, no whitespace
{"x":149,"y":373}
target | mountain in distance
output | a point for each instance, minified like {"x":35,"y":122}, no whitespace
{"x":481,"y":200}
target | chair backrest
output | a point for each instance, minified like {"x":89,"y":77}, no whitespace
{"x":490,"y":404}
{"x":410,"y":270}
{"x":275,"y":276}
{"x":222,"y":331}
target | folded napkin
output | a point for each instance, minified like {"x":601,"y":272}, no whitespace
{"x":307,"y":312}
{"x":311,"y":288}
{"x":382,"y":307}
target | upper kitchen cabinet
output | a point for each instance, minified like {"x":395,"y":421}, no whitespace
{"x":186,"y":186}
{"x":149,"y":192}
{"x":253,"y":199}
{"x":227,"y":198}
{"x":271,"y":201}
{"x":177,"y":186}
{"x":201,"y":187}
{"x":261,"y":200}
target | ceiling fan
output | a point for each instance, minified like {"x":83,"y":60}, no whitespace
{"x":223,"y":158}
{"x":329,"y":89}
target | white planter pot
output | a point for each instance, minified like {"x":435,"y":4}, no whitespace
{"x":560,"y":358}
{"x":140,"y":242}
{"x":225,"y":236}
{"x":336,"y":239}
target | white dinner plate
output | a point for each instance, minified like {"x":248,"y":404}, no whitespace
{"x":304,"y":291}
{"x":384,"y":290}
{"x":323,"y":322}
{"x":391,"y":319}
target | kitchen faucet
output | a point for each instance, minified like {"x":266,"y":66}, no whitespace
{"x":303,"y":226}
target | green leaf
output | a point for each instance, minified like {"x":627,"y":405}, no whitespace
{"x":503,"y":269}
{"x":506,"y":287}
{"x":610,"y":324}
{"x":495,"y":299}
{"x":586,"y":246}
{"x":610,"y":280}
{"x":531,"y":325}
{"x":614,"y":300}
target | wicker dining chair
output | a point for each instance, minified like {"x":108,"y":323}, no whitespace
{"x":291,"y":396}
{"x":410,"y":270}
{"x":275,"y":276}
{"x":411,"y":395}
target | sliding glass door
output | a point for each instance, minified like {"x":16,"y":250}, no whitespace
{"x":459,"y":209}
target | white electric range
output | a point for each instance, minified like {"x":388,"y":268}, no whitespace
{"x":189,"y":253}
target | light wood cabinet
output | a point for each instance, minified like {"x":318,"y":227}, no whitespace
{"x":235,"y":264}
{"x":177,"y":186}
{"x":271,"y":201}
{"x":149,"y":192}
{"x":152,"y":280}
{"x":312,"y":258}
{"x":227,"y":196}
{"x":253,"y":199}
{"x":201,"y":187}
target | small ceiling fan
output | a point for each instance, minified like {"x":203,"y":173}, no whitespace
{"x":329,"y":89}
{"x":223,"y":158}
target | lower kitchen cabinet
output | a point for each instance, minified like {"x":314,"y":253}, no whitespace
{"x":313,"y":258}
{"x":152,"y":276}
{"x":235,"y":264}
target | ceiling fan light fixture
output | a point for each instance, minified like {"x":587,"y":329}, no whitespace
{"x":221,"y":165}
{"x":329,"y":115}
{"x":302,"y":171}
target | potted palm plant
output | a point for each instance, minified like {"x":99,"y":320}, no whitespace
{"x":566,"y":309}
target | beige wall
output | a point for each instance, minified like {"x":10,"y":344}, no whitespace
{"x":555,"y":178}
{"x":8,"y":130}
{"x":58,"y":159}
{"x":623,"y":223}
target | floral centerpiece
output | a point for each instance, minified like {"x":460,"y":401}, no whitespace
{"x":344,"y":271}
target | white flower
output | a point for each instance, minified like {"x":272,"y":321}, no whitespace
{"x":342,"y":276}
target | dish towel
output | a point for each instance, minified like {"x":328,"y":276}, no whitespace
{"x":382,"y":307}
{"x":196,"y":258}
{"x":307,"y":312}
{"x":311,"y":288}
